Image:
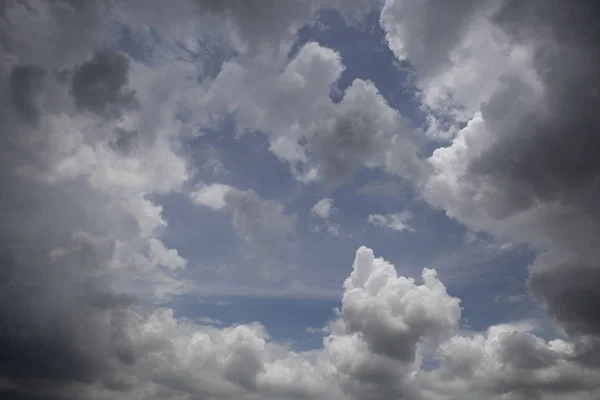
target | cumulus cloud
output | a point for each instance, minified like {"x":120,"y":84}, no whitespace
{"x":212,"y":196}
{"x":371,"y":345}
{"x":322,"y":208}
{"x":318,"y":138}
{"x":521,"y":76}
{"x":397,"y":222}
{"x":80,"y":240}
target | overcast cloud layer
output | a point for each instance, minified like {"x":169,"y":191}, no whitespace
{"x":106,"y":109}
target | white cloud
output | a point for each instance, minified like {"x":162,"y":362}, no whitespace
{"x":398,"y":221}
{"x":161,"y":255}
{"x":323,"y":208}
{"x":212,"y":196}
{"x":319,"y":139}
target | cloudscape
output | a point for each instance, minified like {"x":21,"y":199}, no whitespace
{"x":299,"y":199}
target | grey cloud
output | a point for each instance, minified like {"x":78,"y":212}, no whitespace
{"x":551,"y":155}
{"x":526,"y":167}
{"x":261,"y":25}
{"x":394,"y":328}
{"x":569,"y":291}
{"x":347,"y":144}
{"x":25,"y":83}
{"x":30,"y":30}
{"x":99,"y":85}
{"x":71,"y":331}
{"x":260,"y":22}
{"x":60,"y":309}
{"x":53,"y":330}
{"x":125,"y":140}
{"x":521,"y":351}
{"x":426,"y":32}
{"x":530,"y":165}
{"x":364,"y":131}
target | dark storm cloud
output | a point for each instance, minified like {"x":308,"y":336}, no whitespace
{"x":52,"y":325}
{"x":25,"y":82}
{"x":553,"y":154}
{"x":125,"y":141}
{"x":99,"y":85}
{"x":59,"y":317}
{"x":569,"y":291}
{"x":549,"y":155}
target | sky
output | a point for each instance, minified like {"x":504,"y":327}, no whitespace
{"x":299,"y":199}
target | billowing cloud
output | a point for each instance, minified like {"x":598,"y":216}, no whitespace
{"x":318,"y":138}
{"x":79,"y":232}
{"x":522,"y":77}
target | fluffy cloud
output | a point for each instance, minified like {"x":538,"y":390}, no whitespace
{"x":318,"y":138}
{"x":522,"y":168}
{"x":212,"y":196}
{"x":322,"y":208}
{"x":80,"y":232}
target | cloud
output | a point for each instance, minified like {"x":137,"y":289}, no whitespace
{"x":212,"y":196}
{"x":25,"y":83}
{"x":80,"y":242}
{"x":397,"y":222}
{"x":572,"y":304}
{"x":98,"y":84}
{"x":322,"y":208}
{"x":364,"y":131}
{"x":522,"y":168}
{"x":319,"y":139}
{"x":84,"y":268}
{"x":386,"y":308}
{"x":161,"y":255}
{"x":162,"y":356}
